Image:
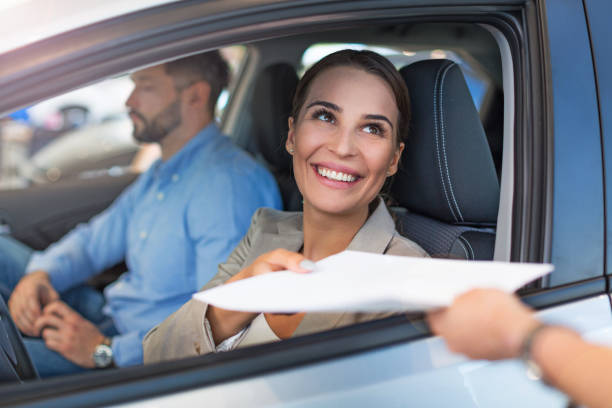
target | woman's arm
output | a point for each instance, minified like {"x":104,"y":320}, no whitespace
{"x":226,"y":323}
{"x":490,"y":324}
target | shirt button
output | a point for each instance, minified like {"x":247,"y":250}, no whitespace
{"x":160,"y":196}
{"x":143,"y":234}
{"x":175,"y":177}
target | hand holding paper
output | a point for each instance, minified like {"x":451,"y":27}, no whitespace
{"x":363,"y":282}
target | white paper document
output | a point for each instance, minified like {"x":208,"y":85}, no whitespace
{"x":363,"y":282}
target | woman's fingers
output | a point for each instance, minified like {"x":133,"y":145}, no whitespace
{"x":280,"y":259}
{"x":273,"y":261}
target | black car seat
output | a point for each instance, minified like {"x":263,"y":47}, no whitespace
{"x":270,"y":110}
{"x":447,"y":186}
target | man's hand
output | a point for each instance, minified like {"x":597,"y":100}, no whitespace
{"x":484,"y":323}
{"x":68,"y":333}
{"x":31,"y":294}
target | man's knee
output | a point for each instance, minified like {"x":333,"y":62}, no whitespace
{"x":14,"y":257}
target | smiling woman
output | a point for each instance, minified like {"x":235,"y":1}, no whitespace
{"x":345,"y":138}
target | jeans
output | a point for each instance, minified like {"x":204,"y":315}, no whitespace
{"x":87,"y":301}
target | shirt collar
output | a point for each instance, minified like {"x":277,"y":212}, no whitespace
{"x":203,"y":139}
{"x":374,"y":236}
{"x":376,"y":233}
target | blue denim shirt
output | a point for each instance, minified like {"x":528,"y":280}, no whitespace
{"x":173,"y":226}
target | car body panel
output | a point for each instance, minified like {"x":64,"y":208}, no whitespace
{"x":422,"y":373}
{"x":578,"y":232}
{"x":598,"y":12}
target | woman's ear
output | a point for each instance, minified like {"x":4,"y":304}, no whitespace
{"x":290,"y":143}
{"x":395,"y":160}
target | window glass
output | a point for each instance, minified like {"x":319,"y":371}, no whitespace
{"x":81,"y":134}
{"x":478,"y":83}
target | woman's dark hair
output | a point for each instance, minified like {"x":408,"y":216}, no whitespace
{"x":367,"y":61}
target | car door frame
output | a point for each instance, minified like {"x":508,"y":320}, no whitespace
{"x":146,"y":37}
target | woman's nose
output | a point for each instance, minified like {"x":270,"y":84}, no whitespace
{"x":343,"y":143}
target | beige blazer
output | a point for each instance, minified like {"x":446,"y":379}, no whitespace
{"x":183,"y":334}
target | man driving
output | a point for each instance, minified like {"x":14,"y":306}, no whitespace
{"x":172,"y":226}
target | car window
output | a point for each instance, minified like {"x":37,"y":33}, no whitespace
{"x":479,"y":55}
{"x":82,"y":134}
{"x":477,"y":82}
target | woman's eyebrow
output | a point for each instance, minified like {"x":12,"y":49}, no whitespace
{"x":379,"y":117}
{"x":329,"y":105}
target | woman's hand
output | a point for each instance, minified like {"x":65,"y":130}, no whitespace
{"x":484,"y":323}
{"x":226,"y":323}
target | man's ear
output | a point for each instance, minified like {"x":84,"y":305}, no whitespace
{"x":290,"y":143}
{"x":395,"y":160}
{"x":198,"y":95}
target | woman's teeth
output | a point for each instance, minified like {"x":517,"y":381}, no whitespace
{"x":335,"y":175}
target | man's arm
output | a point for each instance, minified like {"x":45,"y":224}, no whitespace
{"x":580,"y":369}
{"x":490,"y":324}
{"x":89,"y":248}
{"x":83,"y":252}
{"x":219,"y":216}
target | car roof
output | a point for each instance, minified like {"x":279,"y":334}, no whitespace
{"x":23,"y":22}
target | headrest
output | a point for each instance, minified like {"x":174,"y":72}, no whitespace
{"x":446,"y":171}
{"x":271,"y":107}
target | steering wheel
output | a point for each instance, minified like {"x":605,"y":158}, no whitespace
{"x":15,"y":362}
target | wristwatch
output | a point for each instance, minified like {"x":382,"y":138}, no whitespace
{"x":534,"y":371}
{"x":103,"y":354}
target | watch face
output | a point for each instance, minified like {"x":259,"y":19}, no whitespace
{"x":103,"y":356}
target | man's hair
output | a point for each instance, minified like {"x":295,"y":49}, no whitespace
{"x":209,"y":67}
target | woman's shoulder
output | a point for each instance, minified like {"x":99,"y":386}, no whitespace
{"x":403,"y":246}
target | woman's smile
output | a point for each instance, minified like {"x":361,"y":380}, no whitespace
{"x":336,"y":176}
{"x":344,"y":141}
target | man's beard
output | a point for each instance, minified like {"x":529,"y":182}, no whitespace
{"x":160,"y":126}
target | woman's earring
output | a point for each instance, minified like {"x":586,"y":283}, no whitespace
{"x":291,"y":150}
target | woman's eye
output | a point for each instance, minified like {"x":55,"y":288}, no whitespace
{"x":324,"y":116}
{"x":373,"y":129}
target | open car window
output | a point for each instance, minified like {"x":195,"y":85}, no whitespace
{"x":497,"y":48}
{"x":82,"y":134}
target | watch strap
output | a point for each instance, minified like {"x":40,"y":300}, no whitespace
{"x":534,"y":371}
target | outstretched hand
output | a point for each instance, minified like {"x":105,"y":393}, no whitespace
{"x":68,"y":333}
{"x":31,"y":294}
{"x":226,"y":323}
{"x":274,"y":261}
{"x":484,"y":323}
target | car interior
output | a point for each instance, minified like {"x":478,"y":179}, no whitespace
{"x":454,"y":182}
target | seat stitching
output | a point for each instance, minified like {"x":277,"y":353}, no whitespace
{"x":435,"y":111}
{"x":467,"y":255}
{"x":469,"y":245}
{"x":443,"y":132}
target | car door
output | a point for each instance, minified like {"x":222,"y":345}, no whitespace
{"x":394,"y":362}
{"x":599,"y":32}
{"x":559,"y":190}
